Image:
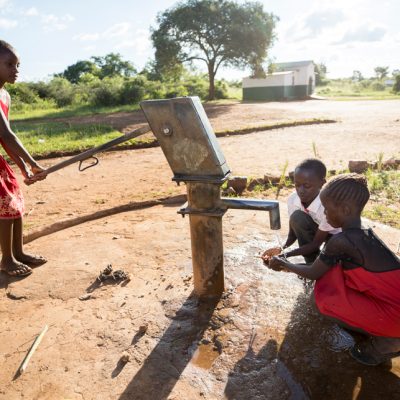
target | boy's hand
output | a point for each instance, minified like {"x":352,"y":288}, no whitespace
{"x":268,"y":254}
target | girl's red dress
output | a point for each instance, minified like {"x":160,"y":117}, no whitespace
{"x":11,"y":199}
{"x":366,"y":298}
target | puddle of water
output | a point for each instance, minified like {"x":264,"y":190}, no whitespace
{"x":204,"y":356}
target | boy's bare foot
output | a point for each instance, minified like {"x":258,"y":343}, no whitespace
{"x":13,"y":268}
{"x":31,"y":259}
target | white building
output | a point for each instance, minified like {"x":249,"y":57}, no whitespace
{"x":292,"y":80}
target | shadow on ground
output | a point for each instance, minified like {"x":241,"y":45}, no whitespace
{"x":165,"y":364}
{"x":306,"y":367}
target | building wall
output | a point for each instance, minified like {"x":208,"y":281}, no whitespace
{"x":275,"y":93}
{"x":285,"y":85}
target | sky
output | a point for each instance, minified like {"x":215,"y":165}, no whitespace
{"x":345,"y":35}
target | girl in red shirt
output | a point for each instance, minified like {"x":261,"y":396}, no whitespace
{"x":14,"y":260}
{"x":357,"y":275}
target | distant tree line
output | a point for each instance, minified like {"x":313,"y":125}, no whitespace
{"x":375,"y":83}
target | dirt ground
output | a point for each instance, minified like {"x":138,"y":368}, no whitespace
{"x":262,"y":340}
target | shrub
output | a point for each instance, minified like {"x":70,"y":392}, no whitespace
{"x":61,"y":91}
{"x":378,"y":86}
{"x":132,"y":92}
{"x":396,"y":86}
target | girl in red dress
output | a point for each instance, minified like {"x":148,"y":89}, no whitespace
{"x":357,"y":275}
{"x":14,"y":260}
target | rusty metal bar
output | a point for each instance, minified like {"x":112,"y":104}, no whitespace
{"x":90,"y":153}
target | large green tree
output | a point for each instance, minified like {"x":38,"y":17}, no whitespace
{"x":217,"y":32}
{"x":381,"y":72}
{"x":110,"y":65}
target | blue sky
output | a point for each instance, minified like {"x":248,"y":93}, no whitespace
{"x":346,"y":35}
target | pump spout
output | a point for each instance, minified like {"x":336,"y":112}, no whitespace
{"x":253,"y":204}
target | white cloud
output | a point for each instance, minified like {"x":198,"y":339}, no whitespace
{"x":87,"y":37}
{"x":118,"y":30}
{"x":123,"y":35}
{"x":31,"y":12}
{"x":7,"y":23}
{"x":140,"y":42}
{"x":54,"y":23}
{"x":363,"y":33}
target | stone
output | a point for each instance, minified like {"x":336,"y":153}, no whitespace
{"x":271,"y":179}
{"x":238,"y":183}
{"x":359,"y":166}
{"x":392,"y":163}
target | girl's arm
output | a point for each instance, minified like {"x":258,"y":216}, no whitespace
{"x":334,"y":250}
{"x":314,"y":271}
{"x":15,"y":148}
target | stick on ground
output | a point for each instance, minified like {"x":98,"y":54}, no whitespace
{"x":34,"y":346}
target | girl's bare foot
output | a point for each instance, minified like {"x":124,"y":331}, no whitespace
{"x":31,"y":259}
{"x":15,"y":268}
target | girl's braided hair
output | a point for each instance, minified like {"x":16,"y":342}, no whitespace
{"x":347,"y":188}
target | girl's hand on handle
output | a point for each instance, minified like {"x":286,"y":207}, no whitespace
{"x":36,"y":168}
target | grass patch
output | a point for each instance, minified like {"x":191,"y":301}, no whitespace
{"x":71,"y":111}
{"x":384,"y":204}
{"x":59,"y":138}
{"x":345,"y":89}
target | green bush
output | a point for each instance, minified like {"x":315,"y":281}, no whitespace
{"x":61,"y":91}
{"x":396,"y":86}
{"x":378,"y":86}
{"x":221,"y":90}
{"x":131,"y":92}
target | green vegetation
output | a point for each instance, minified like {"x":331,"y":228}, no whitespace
{"x":216,"y":32}
{"x":384,"y":205}
{"x":61,"y":138}
{"x":348,"y":89}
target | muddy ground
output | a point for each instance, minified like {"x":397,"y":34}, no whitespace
{"x":262,"y":340}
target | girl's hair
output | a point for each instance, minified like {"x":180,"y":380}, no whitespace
{"x":6,"y":47}
{"x":348,"y":188}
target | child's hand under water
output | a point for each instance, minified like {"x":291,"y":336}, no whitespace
{"x":268,"y":254}
{"x":277,"y":263}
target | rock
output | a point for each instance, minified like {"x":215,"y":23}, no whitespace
{"x":125,"y":357}
{"x":86,"y":296}
{"x":255,"y":182}
{"x":230,"y":191}
{"x":359,"y":166}
{"x":238,"y":183}
{"x":392,"y":163}
{"x":271,"y":179}
{"x":143,"y":328}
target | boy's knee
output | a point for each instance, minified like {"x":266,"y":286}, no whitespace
{"x":299,"y":219}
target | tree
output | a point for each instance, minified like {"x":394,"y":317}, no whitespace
{"x":74,"y":72}
{"x":357,"y":76}
{"x":217,"y":32}
{"x":320,"y":74}
{"x":381,"y":72}
{"x":396,"y":86}
{"x":107,"y":66}
{"x":113,"y":65}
